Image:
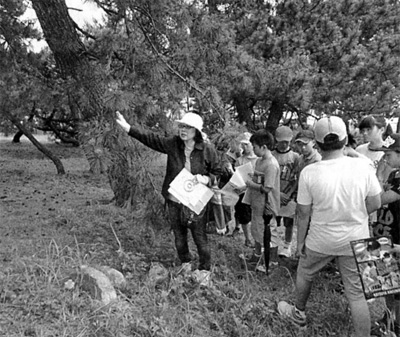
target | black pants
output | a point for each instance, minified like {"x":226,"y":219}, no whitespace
{"x":182,"y":221}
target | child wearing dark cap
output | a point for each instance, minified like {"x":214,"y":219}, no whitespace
{"x":308,"y":152}
{"x":305,"y":143}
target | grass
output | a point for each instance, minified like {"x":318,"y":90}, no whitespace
{"x":52,"y":225}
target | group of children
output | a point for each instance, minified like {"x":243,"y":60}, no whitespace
{"x":271,"y":195}
{"x":272,"y":192}
{"x":334,"y":196}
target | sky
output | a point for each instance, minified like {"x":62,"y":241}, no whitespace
{"x":81,"y":11}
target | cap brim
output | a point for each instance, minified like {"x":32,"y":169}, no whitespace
{"x":303,"y":140}
{"x":283,"y":139}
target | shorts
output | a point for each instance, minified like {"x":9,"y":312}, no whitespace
{"x":242,"y":212}
{"x":312,"y":264}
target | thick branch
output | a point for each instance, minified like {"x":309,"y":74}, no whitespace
{"x":57,"y":162}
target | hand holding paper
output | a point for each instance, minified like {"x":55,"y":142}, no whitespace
{"x":187,"y":189}
{"x":202,"y":179}
{"x":242,"y":174}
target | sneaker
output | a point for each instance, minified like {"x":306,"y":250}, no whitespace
{"x":284,"y":251}
{"x":261,"y":268}
{"x":254,"y":259}
{"x":290,"y":311}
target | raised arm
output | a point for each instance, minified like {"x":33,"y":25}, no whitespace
{"x":150,"y":139}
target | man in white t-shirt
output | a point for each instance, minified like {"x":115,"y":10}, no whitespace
{"x":334,"y":199}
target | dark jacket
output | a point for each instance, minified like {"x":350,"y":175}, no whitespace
{"x":203,"y":160}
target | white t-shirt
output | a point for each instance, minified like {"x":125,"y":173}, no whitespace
{"x":337,"y":190}
{"x":374,"y":156}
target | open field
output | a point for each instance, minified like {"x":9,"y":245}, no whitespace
{"x":50,"y":225}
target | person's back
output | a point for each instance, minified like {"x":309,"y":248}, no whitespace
{"x":335,"y":221}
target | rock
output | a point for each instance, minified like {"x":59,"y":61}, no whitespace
{"x":97,"y":284}
{"x":116,"y":277}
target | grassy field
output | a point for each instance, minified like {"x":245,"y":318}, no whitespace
{"x":50,"y":225}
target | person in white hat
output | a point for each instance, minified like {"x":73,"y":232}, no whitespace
{"x":185,"y":150}
{"x":334,"y":199}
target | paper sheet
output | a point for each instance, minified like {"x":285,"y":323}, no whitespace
{"x":189,"y":192}
{"x":242,"y":174}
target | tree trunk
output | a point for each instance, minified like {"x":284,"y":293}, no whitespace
{"x":243,"y":110}
{"x":19,"y":134}
{"x":17,"y":137}
{"x":73,"y":60}
{"x":25,"y":131}
{"x":275,"y":115}
{"x":70,"y":53}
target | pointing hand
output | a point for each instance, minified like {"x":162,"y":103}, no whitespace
{"x":122,"y":122}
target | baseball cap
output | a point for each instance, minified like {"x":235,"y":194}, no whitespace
{"x":392,"y":143}
{"x":192,"y":119}
{"x":304,"y":136}
{"x":245,"y":137}
{"x":283,"y":133}
{"x":372,"y":120}
{"x":329,"y":125}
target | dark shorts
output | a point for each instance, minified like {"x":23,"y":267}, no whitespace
{"x":242,"y":212}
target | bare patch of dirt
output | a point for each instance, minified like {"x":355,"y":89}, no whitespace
{"x":32,"y":194}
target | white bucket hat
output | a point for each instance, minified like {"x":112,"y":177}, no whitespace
{"x":193,"y":120}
